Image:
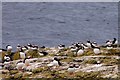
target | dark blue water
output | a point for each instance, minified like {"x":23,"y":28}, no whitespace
{"x":52,"y":23}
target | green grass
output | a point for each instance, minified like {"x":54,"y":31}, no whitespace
{"x":91,"y":61}
{"x":37,"y":70}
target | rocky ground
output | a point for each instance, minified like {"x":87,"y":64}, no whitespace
{"x":89,"y":67}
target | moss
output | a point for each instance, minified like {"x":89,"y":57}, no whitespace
{"x":67,"y":60}
{"x":90,"y":62}
{"x":89,"y":53}
{"x":37,"y":70}
{"x":8,"y":52}
{"x":3,"y":54}
{"x":114,"y":51}
{"x":109,"y":61}
{"x":70,"y":54}
{"x":110,"y":52}
{"x":87,"y":74}
{"x":16,"y":56}
{"x":61,"y":54}
{"x":13,"y":71}
{"x":26,"y":75}
{"x":18,"y":75}
{"x":33,"y":53}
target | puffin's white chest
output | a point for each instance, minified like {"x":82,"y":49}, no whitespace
{"x":96,"y":51}
{"x":80,"y":52}
{"x":22,"y":55}
{"x":71,"y":69}
{"x":20,"y":65}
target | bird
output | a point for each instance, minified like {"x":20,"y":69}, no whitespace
{"x":24,"y":48}
{"x":42,"y":47}
{"x":35,"y":47}
{"x":6,"y":61}
{"x":77,"y":67}
{"x":26,"y":61}
{"x":108,"y":42}
{"x":2,"y":50}
{"x":73,"y":48}
{"x":61,"y":46}
{"x":22,"y":55}
{"x":88,"y":44}
{"x":18,"y":47}
{"x":43,"y":53}
{"x":9,"y":47}
{"x":94,"y":44}
{"x":20,"y":65}
{"x":109,"y":47}
{"x":80,"y":51}
{"x":55,"y":62}
{"x":7,"y":58}
{"x":98,"y":62}
{"x":29,"y":46}
{"x":6,"y":64}
{"x":76,"y":44}
{"x":71,"y":69}
{"x":97,"y":50}
{"x":114,"y":41}
{"x":84,"y":46}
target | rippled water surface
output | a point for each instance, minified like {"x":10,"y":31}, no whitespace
{"x":53,"y":23}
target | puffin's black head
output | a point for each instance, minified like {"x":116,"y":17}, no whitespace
{"x":30,"y":45}
{"x":42,"y":47}
{"x":7,"y":46}
{"x":56,"y":59}
{"x":35,"y":46}
{"x":88,"y":41}
{"x":18,"y":45}
{"x":61,"y":45}
{"x":72,"y":66}
{"x":114,"y":38}
{"x":21,"y":50}
{"x":107,"y":41}
{"x":76,"y":66}
{"x":44,"y":53}
{"x":26,"y":47}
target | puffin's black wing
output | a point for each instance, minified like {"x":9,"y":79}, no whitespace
{"x":44,"y":53}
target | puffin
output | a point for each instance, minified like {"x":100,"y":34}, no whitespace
{"x":55,"y":62}
{"x":61,"y":46}
{"x":20,"y":65}
{"x":84,"y":46}
{"x":7,"y":58}
{"x":22,"y":54}
{"x":71,"y":69}
{"x":80,"y":51}
{"x":88,"y":44}
{"x":96,"y":49}
{"x":43,"y":53}
{"x":9,"y":47}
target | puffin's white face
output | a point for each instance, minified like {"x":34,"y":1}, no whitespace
{"x":96,"y":51}
{"x":9,"y":48}
{"x":0,"y":51}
